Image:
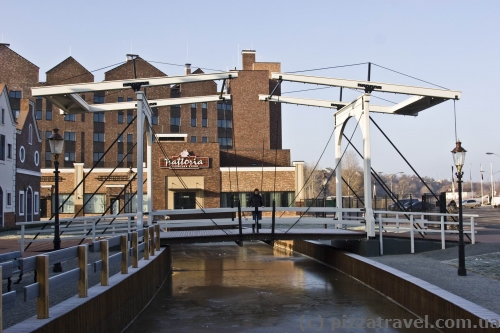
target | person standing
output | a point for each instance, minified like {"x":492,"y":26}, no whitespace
{"x":256,"y":201}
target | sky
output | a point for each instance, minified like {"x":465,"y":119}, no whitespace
{"x":453,"y":44}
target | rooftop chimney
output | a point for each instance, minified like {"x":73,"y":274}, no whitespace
{"x":248,"y":59}
{"x":132,"y":56}
{"x":188,"y":69}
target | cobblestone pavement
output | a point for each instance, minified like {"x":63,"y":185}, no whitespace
{"x":484,"y":264}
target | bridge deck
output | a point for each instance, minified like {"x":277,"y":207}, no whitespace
{"x":231,"y":235}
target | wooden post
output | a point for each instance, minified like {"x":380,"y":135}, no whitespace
{"x":146,"y":244}
{"x":152,"y":237}
{"x":124,"y":249}
{"x":157,"y":228}
{"x":135,"y":250}
{"x":1,"y":307}
{"x":105,"y":263}
{"x":83,"y":285}
{"x":42,"y":302}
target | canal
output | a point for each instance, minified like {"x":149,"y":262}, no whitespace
{"x":225,"y":288}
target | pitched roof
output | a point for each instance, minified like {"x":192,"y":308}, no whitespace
{"x":125,"y":63}
{"x":70,"y":60}
{"x":7,"y":47}
{"x":198,"y":71}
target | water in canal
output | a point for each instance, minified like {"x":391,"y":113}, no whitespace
{"x":225,"y":288}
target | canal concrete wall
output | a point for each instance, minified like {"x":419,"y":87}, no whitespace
{"x":107,"y":308}
{"x":423,"y":299}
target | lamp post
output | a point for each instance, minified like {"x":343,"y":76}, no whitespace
{"x":130,"y":175}
{"x":492,"y":181}
{"x":459,"y":158}
{"x":56,"y":142}
{"x":392,"y":175}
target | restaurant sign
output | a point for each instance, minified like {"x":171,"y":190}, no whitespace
{"x":185,"y":160}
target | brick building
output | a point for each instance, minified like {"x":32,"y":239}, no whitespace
{"x":239,"y":141}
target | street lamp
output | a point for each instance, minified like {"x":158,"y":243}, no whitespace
{"x":56,"y":142}
{"x":392,"y":175}
{"x":130,"y":175}
{"x":459,"y":158}
{"x":326,"y":176}
{"x":492,"y":181}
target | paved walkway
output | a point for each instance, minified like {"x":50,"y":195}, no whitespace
{"x":482,"y":260}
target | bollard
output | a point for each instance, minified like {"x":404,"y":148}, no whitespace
{"x":146,"y":244}
{"x":239,"y":221}
{"x":42,"y":302}
{"x":273,"y":223}
{"x":124,"y":250}
{"x":135,"y":250}
{"x":105,"y":263}
{"x":157,"y":229}
{"x":152,"y":238}
{"x":83,"y":285}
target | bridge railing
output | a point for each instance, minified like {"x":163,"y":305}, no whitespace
{"x":345,"y":217}
{"x":84,"y":227}
{"x":413,"y":223}
{"x":145,"y":240}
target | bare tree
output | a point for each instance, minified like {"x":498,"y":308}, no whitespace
{"x":405,"y":186}
{"x":312,"y":186}
{"x":352,"y":174}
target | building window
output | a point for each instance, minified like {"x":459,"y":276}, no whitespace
{"x":15,"y":94}
{"x":9,"y":150}
{"x":120,"y":138}
{"x":48,"y":156}
{"x":9,"y":199}
{"x":69,"y":205}
{"x":204,"y":117}
{"x":68,"y":136}
{"x":120,"y":117}
{"x":48,"y":134}
{"x":130,"y":116}
{"x":36,"y":203}
{"x":99,"y":97}
{"x":224,"y":115}
{"x":175,"y":119}
{"x":120,"y":99}
{"x":193,"y":115}
{"x":98,"y":156}
{"x":3,"y":116}
{"x":119,"y":157}
{"x":21,"y":203}
{"x":129,"y":157}
{"x":154,"y":119}
{"x":130,"y":138}
{"x":48,"y":114}
{"x":70,"y":117}
{"x":69,"y":156}
{"x":204,"y":139}
{"x":2,"y":147}
{"x":129,"y":99}
{"x":99,"y":117}
{"x":193,"y":139}
{"x":225,"y":142}
{"x":38,"y":114}
{"x":95,"y":204}
{"x":22,"y":154}
{"x":98,"y":137}
{"x":37,"y":158}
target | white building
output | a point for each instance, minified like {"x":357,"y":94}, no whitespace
{"x":7,"y":160}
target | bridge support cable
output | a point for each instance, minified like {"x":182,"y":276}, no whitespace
{"x":413,"y":169}
{"x":180,"y":178}
{"x":386,"y":189}
{"x":312,"y":171}
{"x":329,"y":177}
{"x":82,"y":181}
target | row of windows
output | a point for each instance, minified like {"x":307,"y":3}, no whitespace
{"x":97,"y":204}
{"x":283,"y":199}
{"x":98,"y":137}
{"x":203,"y":139}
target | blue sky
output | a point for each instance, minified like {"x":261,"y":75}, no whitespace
{"x":454,"y":44}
